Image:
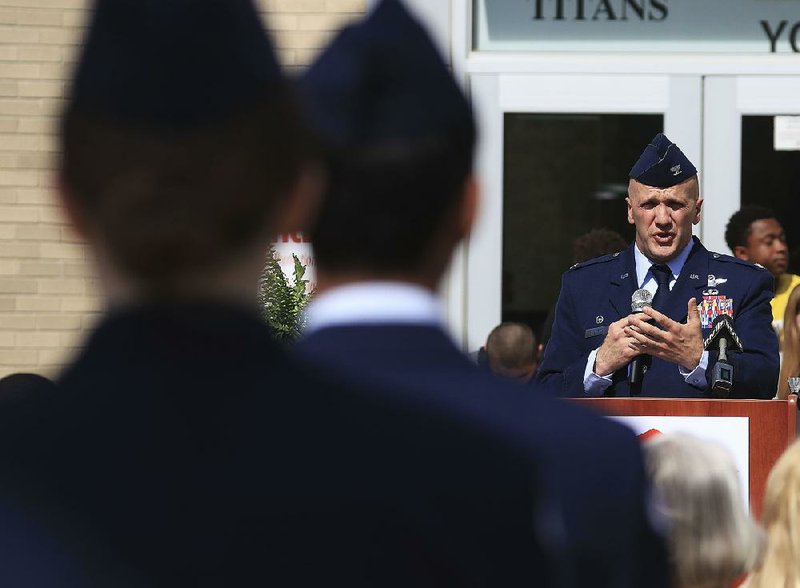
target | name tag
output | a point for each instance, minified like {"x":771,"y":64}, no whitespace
{"x":595,"y":332}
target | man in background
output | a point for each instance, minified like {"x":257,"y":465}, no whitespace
{"x":511,"y":352}
{"x":400,"y":138}
{"x":754,"y":234}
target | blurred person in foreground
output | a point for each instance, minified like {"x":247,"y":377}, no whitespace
{"x":712,"y":539}
{"x":400,"y":137}
{"x":790,"y":361}
{"x":780,"y":566}
{"x":184,"y":448}
{"x":511,"y":352}
{"x":25,"y":388}
{"x":597,"y":340}
{"x":754,"y":234}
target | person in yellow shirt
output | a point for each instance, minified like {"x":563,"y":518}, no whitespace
{"x":754,"y":234}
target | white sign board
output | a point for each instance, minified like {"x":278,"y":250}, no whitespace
{"x":287,"y":244}
{"x":720,"y":26}
{"x":787,"y":133}
{"x":733,"y":433}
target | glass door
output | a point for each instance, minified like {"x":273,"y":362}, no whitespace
{"x":751,"y":153}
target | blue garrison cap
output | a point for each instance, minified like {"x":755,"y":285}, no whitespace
{"x":383,"y":80}
{"x":662,"y":164}
{"x":174,"y":63}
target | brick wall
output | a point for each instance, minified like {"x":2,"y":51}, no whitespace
{"x":48,"y":295}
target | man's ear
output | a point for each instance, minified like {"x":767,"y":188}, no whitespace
{"x":301,"y":204}
{"x":698,"y":205}
{"x":468,"y":211}
{"x":740,"y":251}
{"x":72,"y":209}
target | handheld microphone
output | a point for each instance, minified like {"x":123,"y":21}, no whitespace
{"x":724,"y":339}
{"x":638,"y":366}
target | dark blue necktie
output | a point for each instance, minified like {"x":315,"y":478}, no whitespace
{"x":662,"y":275}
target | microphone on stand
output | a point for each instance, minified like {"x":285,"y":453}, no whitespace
{"x":722,"y":338}
{"x":637,"y":368}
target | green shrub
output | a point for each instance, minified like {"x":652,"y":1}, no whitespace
{"x":282,"y":303}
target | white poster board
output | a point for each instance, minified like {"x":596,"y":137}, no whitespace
{"x":733,"y":433}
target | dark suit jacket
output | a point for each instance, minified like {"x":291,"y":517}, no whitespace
{"x":593,"y":466}
{"x":186,"y":448}
{"x":603,"y":288}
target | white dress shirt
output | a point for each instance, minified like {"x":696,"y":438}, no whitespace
{"x":364,"y":303}
{"x":594,"y":384}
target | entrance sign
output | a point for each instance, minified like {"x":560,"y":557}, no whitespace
{"x":709,"y":26}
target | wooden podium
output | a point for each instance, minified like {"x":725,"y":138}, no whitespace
{"x":772,"y":426}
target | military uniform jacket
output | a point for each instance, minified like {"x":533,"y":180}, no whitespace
{"x":592,"y":465}
{"x":185,"y":448}
{"x":596,"y":293}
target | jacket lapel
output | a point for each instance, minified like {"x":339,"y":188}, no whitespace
{"x":623,"y":282}
{"x":691,"y":281}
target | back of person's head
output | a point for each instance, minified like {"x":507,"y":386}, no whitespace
{"x":738,"y":227}
{"x":790,"y":365}
{"x":712,"y":539}
{"x":781,"y":519}
{"x":596,"y":243}
{"x":181,"y":137}
{"x":22,"y":387}
{"x":401,"y":137}
{"x":511,"y":351}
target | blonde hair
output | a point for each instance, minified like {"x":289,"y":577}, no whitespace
{"x":712,"y":539}
{"x":791,"y":344}
{"x":781,"y":565}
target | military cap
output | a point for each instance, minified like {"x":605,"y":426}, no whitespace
{"x":383,"y":80}
{"x":173,"y":63}
{"x":662,"y":164}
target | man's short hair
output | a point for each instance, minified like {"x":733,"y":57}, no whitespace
{"x":169,"y":203}
{"x":386,"y":204}
{"x":596,"y":243}
{"x":712,"y":539}
{"x":511,"y":346}
{"x":739,"y":226}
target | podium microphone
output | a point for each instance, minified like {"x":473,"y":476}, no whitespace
{"x":638,"y":366}
{"x":724,"y":339}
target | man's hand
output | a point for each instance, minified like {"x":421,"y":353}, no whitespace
{"x":676,"y":342}
{"x":617,"y":350}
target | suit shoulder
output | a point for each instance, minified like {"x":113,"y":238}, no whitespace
{"x":721,"y":257}
{"x":595,"y":261}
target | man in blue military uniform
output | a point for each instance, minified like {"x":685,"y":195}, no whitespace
{"x":595,"y":339}
{"x":401,"y":138}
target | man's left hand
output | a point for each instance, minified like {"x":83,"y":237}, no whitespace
{"x":679,"y":343}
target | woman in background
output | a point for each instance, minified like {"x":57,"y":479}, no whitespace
{"x":790,"y":363}
{"x":781,"y":564}
{"x":712,"y":540}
